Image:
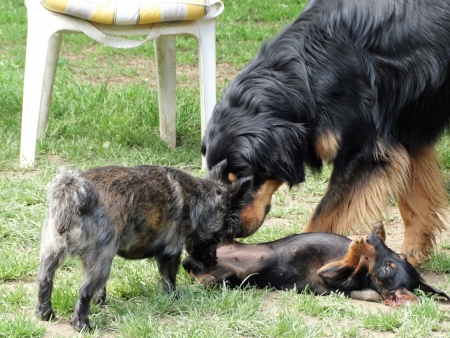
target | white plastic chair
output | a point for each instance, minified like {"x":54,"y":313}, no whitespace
{"x":45,"y":30}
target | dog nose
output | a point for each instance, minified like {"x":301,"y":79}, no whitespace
{"x":371,"y":238}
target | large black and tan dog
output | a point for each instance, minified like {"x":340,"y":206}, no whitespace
{"x":361,"y":84}
{"x":363,"y":268}
{"x":137,"y":213}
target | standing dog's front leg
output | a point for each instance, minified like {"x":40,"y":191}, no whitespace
{"x":168,"y":268}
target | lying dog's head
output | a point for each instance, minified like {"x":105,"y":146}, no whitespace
{"x":392,"y":275}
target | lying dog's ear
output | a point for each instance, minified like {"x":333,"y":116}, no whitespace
{"x":402,"y":256}
{"x":426,"y":287}
{"x":400,"y":297}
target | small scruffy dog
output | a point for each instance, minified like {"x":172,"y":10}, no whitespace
{"x":138,"y":212}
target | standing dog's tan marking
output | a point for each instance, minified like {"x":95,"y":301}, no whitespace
{"x":327,"y":145}
{"x":253,"y":215}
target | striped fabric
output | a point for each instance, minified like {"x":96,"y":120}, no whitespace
{"x":131,"y":12}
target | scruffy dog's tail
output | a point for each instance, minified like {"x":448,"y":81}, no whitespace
{"x":69,"y":195}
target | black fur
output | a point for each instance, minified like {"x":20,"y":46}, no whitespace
{"x":367,"y":69}
{"x":375,"y":74}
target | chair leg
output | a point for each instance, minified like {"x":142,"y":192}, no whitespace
{"x":49,"y":78}
{"x":38,"y":83}
{"x":166,"y":70}
{"x":207,"y":68}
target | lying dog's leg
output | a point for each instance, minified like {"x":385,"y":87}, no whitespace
{"x":421,"y":204}
{"x":334,"y":273}
{"x":51,"y":256}
{"x":96,"y":274}
{"x":168,"y":267}
{"x":367,"y":295}
{"x":377,"y":227}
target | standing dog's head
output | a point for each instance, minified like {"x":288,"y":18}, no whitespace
{"x":216,"y":215}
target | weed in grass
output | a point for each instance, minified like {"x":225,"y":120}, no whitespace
{"x":334,"y":305}
{"x":439,"y":262}
{"x":15,"y":298}
{"x":418,"y":320}
{"x":20,"y":325}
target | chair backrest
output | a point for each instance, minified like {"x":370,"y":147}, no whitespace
{"x":132,"y":12}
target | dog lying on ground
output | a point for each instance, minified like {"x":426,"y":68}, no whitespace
{"x":361,"y":84}
{"x":363,"y":268}
{"x":138,"y":212}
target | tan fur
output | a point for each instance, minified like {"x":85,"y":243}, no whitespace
{"x":422,"y":206}
{"x":368,"y":197}
{"x":327,"y":145}
{"x":254,"y":214}
{"x":232,"y":177}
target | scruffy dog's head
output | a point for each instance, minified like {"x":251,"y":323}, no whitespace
{"x":217,"y":215}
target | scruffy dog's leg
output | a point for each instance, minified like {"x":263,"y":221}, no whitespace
{"x":96,"y":273}
{"x":51,"y":256}
{"x":168,"y":268}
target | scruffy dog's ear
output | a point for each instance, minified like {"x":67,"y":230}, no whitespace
{"x":239,"y":190}
{"x":219,"y":172}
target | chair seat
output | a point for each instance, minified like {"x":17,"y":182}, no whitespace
{"x":131,"y":12}
{"x":44,"y":38}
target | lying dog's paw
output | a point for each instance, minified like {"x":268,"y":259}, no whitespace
{"x":207,"y":280}
{"x":378,"y":228}
{"x":356,"y":243}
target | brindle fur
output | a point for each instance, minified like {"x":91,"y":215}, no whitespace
{"x":138,"y":212}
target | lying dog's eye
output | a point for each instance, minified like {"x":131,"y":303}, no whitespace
{"x":387,"y":268}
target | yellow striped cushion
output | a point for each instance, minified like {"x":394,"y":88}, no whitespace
{"x":130,"y":12}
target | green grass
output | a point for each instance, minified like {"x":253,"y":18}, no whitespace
{"x":104,"y":111}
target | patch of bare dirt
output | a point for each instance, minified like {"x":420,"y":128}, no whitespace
{"x":118,"y":69}
{"x":19,"y":173}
